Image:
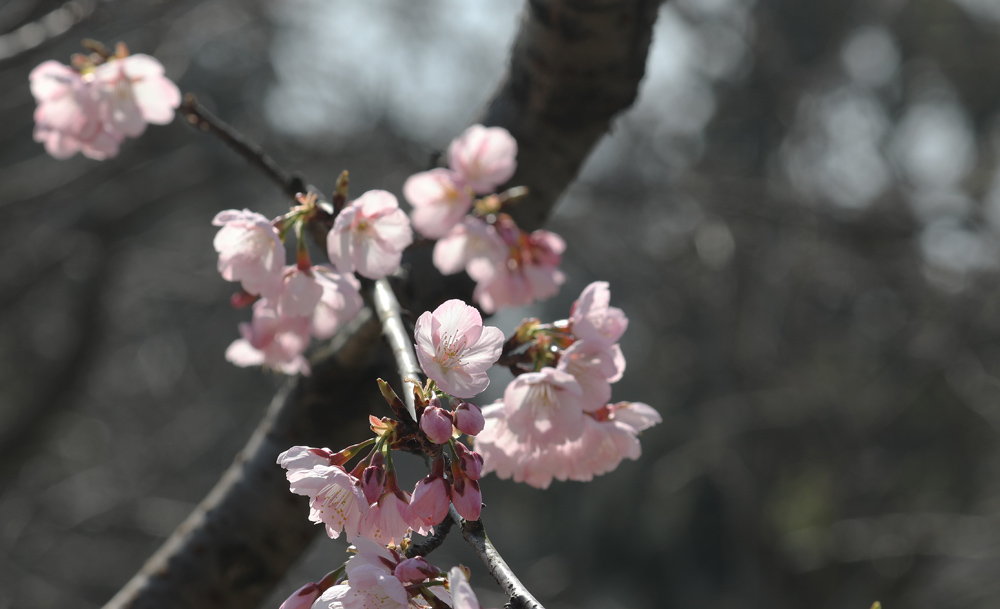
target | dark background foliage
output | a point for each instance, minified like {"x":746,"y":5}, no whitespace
{"x":800,"y":217}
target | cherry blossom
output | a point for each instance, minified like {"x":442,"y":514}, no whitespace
{"x":608,"y":437}
{"x":545,"y":406}
{"x":132,"y":91}
{"x":340,"y":302}
{"x":389,"y":519}
{"x":250,"y":251}
{"x":484,"y":157}
{"x":369,"y":235}
{"x":335,"y":497}
{"x":300,"y":293}
{"x":530,"y":271}
{"x":272,"y":340}
{"x":67,"y":119}
{"x":595,"y":368}
{"x":439,"y":200}
{"x":465,"y":495}
{"x":462,"y":595}
{"x":591,"y":318}
{"x":455,"y":349}
{"x":469,"y":240}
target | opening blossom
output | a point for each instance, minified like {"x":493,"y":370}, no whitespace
{"x":250,"y":251}
{"x":369,"y":235}
{"x":455,"y":349}
{"x":484,"y":157}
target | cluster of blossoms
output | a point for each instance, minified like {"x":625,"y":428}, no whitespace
{"x":510,"y":266}
{"x":367,"y":500}
{"x":555,"y":420}
{"x":382,"y":577}
{"x":293,"y":302}
{"x":91,"y":106}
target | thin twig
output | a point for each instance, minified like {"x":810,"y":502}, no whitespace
{"x":390,"y":314}
{"x":475,"y":534}
{"x":200,"y":117}
{"x":433,"y":542}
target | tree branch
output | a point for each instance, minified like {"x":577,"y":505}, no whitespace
{"x":241,"y":539}
{"x":475,"y":534}
{"x":200,"y":117}
{"x":395,"y":333}
{"x":575,"y":65}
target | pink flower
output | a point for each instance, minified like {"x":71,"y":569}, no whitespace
{"x":469,"y":240}
{"x":335,"y":498}
{"x":636,"y":415}
{"x":302,"y":598}
{"x":369,"y":235}
{"x":468,"y":418}
{"x":455,"y":349}
{"x":389,"y":519}
{"x":592,"y":319}
{"x":299,"y":295}
{"x":370,"y":583}
{"x":545,"y":407}
{"x":430,"y":501}
{"x":339,"y":304}
{"x":608,"y":437}
{"x":439,"y":200}
{"x":529,"y":273}
{"x":484,"y":157}
{"x":462,"y":595}
{"x":67,"y":119}
{"x":436,"y":423}
{"x":594,"y":368}
{"x":250,"y":251}
{"x":415,"y":570}
{"x":133,"y":91}
{"x":272,"y":340}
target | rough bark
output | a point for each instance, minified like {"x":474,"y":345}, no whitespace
{"x":575,"y":64}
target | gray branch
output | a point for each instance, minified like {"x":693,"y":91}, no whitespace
{"x":389,"y":313}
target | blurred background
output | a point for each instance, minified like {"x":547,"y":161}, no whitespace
{"x":800,"y":216}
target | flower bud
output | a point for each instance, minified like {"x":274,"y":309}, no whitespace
{"x":373,"y":480}
{"x":414,"y":570}
{"x":466,"y":497}
{"x":469,"y":418}
{"x":470,"y":462}
{"x":430,"y":500}
{"x":436,"y":423}
{"x":303,"y":598}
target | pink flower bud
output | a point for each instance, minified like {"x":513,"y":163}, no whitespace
{"x":466,"y":497}
{"x":469,"y":418}
{"x":414,"y":570}
{"x":471,"y":463}
{"x":436,"y":423}
{"x":373,"y":480}
{"x":430,"y":500}
{"x":303,"y":598}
